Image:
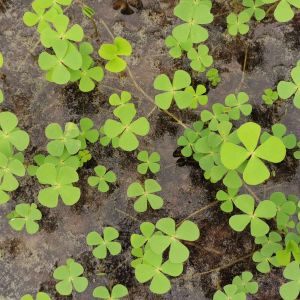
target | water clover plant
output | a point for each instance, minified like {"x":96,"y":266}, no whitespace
{"x":230,"y":292}
{"x":105,"y":243}
{"x":199,"y":96}
{"x":102,"y":179}
{"x":213,"y":77}
{"x":238,"y":104}
{"x":245,"y":283}
{"x":265,"y":210}
{"x":120,"y":101}
{"x":287,"y":89}
{"x":127,"y":129}
{"x":70,"y":278}
{"x":153,"y":268}
{"x":60,"y":140}
{"x":148,"y":162}
{"x":200,"y":59}
{"x":217,"y":115}
{"x":87,"y":132}
{"x":284,"y":11}
{"x":112,"y":53}
{"x":11,"y":134}
{"x":254,"y":7}
{"x":269,"y":96}
{"x":291,"y":289}
{"x":66,"y":56}
{"x":174,"y":89}
{"x":145,"y":195}
{"x":60,"y":181}
{"x":187,"y":231}
{"x":255,"y":172}
{"x":25,"y":215}
{"x":227,"y":199}
{"x":118,"y":291}
{"x":39,"y":296}
{"x":139,"y":240}
{"x":238,"y":23}
{"x":177,"y":47}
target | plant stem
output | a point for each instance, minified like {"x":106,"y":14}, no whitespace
{"x":251,"y":192}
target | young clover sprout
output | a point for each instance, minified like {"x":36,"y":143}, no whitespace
{"x":194,"y":16}
{"x":105,"y":243}
{"x":174,"y":89}
{"x":145,"y":195}
{"x":265,"y":210}
{"x":153,"y":268}
{"x":39,"y":296}
{"x":291,"y":289}
{"x":102,"y":179}
{"x":70,"y":277}
{"x":245,"y":284}
{"x":67,"y":139}
{"x":60,"y":181}
{"x":255,"y":172}
{"x":148,"y":162}
{"x":25,"y":215}
{"x":57,"y":66}
{"x":269,"y":96}
{"x":286,"y":89}
{"x":88,"y":11}
{"x":84,"y":156}
{"x":213,"y":77}
{"x":254,"y":8}
{"x":187,"y":231}
{"x":112,"y":53}
{"x":118,"y":291}
{"x":127,"y":129}
{"x":231,"y":291}
{"x":238,"y":23}
{"x":200,"y":59}
{"x":49,"y":37}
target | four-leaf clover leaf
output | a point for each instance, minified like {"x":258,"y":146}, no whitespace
{"x":39,"y":296}
{"x":102,"y":179}
{"x":244,"y":283}
{"x":145,"y":195}
{"x":254,"y":8}
{"x":118,"y":291}
{"x":148,"y":162}
{"x":104,"y":243}
{"x":291,"y":290}
{"x":200,"y":59}
{"x":70,"y":278}
{"x":265,"y":210}
{"x":238,"y":23}
{"x":60,"y":180}
{"x":230,"y":292}
{"x":238,"y":105}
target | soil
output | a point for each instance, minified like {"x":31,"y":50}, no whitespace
{"x":27,"y":262}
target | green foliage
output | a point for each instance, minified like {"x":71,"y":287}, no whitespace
{"x":255,"y":171}
{"x":127,"y":129}
{"x":284,"y":11}
{"x":112,"y":53}
{"x":269,"y":96}
{"x":102,"y":179}
{"x":213,"y":77}
{"x":254,"y":7}
{"x":291,"y":290}
{"x":230,"y":292}
{"x":279,"y":130}
{"x":198,"y":96}
{"x":217,"y":115}
{"x":84,"y":156}
{"x":227,"y":199}
{"x":148,"y":162}
{"x":104,"y":243}
{"x":238,"y":104}
{"x":145,"y":195}
{"x":67,"y":139}
{"x":60,"y":181}
{"x":286,"y":89}
{"x":118,"y":291}
{"x":120,"y":101}
{"x":200,"y":59}
{"x":265,"y":210}
{"x":178,"y":253}
{"x":173,"y":90}
{"x":297,"y":153}
{"x":25,"y":215}
{"x":177,"y":47}
{"x":87,"y":132}
{"x":70,"y":277}
{"x":88,"y":11}
{"x":238,"y":24}
{"x":39,"y":296}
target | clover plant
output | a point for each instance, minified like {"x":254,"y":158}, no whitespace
{"x":145,"y":195}
{"x":84,"y":156}
{"x":238,"y":104}
{"x":153,"y":268}
{"x":172,"y":236}
{"x":238,"y":24}
{"x":227,"y":199}
{"x":199,"y":96}
{"x":213,"y":77}
{"x":279,"y":130}
{"x":255,"y":172}
{"x":265,"y":210}
{"x":254,"y":7}
{"x":177,"y":47}
{"x":297,"y":153}
{"x":284,"y":10}
{"x":118,"y":291}
{"x":87,"y":132}
{"x":149,"y":162}
{"x":291,"y":289}
{"x":286,"y":89}
{"x":173,"y":90}
{"x":265,"y":259}
{"x":217,"y":115}
{"x":139,"y":240}
{"x":39,"y":296}
{"x":60,"y":181}
{"x":127,"y":129}
{"x":105,"y":243}
{"x":70,"y":278}
{"x":120,"y":101}
{"x":230,"y":292}
{"x":269,"y":96}
{"x":25,"y":215}
{"x":102,"y":179}
{"x":60,"y":140}
{"x":200,"y":59}
{"x":112,"y":53}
